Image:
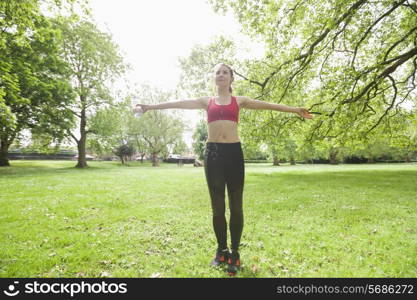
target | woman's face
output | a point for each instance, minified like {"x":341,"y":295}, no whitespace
{"x":222,"y":77}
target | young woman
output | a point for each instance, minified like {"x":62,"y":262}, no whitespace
{"x":223,"y":157}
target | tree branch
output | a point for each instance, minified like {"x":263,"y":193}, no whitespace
{"x":412,"y":6}
{"x":309,"y":53}
{"x":389,"y":107}
{"x":405,"y":56}
{"x":396,"y":5}
{"x":250,"y":80}
{"x":399,"y":61}
{"x":74,"y":113}
{"x":399,"y":41}
{"x":73,"y":136}
{"x":316,"y":128}
{"x":414,"y":73}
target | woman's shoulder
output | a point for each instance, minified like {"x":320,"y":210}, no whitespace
{"x":205,"y":100}
{"x":241,"y":100}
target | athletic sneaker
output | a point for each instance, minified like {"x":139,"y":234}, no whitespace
{"x":221,"y":257}
{"x":233,"y":263}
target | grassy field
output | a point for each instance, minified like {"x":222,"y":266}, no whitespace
{"x":139,"y":221}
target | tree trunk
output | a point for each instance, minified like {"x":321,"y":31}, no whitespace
{"x":82,"y":162}
{"x":155,"y":160}
{"x":276,"y":161}
{"x":370,"y":160}
{"x":4,"y":150}
{"x":408,"y":159}
{"x":333,"y":157}
{"x":292,"y":161}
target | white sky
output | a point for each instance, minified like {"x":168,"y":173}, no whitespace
{"x":153,"y":34}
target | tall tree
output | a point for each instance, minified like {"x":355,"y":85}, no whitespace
{"x":158,"y":130}
{"x":109,"y":129}
{"x":94,"y":61}
{"x":34,"y":86}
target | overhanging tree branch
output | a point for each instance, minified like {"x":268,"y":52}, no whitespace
{"x":396,"y":5}
{"x":73,"y":136}
{"x":250,"y":80}
{"x":399,"y":42}
{"x":399,"y":60}
{"x":394,"y":98}
{"x":306,"y":57}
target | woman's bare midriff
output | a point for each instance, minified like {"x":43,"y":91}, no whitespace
{"x":223,"y":131}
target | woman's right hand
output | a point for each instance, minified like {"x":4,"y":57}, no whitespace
{"x":141,"y":108}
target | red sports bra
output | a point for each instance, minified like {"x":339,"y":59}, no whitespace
{"x":223,"y":112}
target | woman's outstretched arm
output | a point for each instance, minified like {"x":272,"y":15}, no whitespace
{"x":198,"y":103}
{"x":258,"y":104}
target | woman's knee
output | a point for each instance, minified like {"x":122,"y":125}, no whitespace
{"x":218,"y":211}
{"x":236,"y":211}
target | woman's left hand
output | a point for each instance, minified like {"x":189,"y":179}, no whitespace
{"x":303,"y":112}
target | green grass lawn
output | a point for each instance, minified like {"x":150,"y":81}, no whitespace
{"x":140,"y":221}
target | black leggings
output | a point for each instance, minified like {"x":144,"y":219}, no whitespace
{"x":224,"y":165}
